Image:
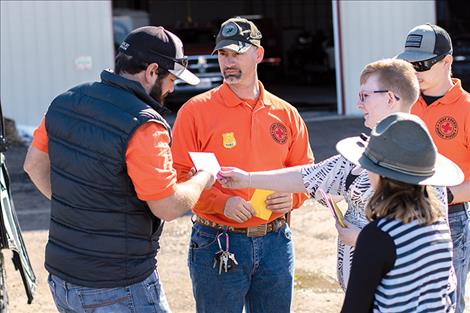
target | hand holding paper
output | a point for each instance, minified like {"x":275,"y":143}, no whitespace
{"x":234,"y":178}
{"x":205,"y":161}
{"x":335,"y":211}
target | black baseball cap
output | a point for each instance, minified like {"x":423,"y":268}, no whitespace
{"x":154,"y":44}
{"x":237,"y":34}
{"x":425,"y":42}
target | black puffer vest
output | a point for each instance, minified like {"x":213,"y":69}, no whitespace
{"x":101,"y":235}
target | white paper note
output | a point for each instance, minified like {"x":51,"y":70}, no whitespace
{"x":206,"y":161}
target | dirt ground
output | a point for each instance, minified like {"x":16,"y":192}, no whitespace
{"x":316,"y":289}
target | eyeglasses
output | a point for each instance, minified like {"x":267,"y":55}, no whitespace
{"x":181,"y":61}
{"x":423,"y":66}
{"x":363,"y":93}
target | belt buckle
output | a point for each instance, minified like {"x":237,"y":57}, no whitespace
{"x":277,"y":224}
{"x":257,"y":231}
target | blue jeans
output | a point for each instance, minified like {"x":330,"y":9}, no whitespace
{"x":262,"y":281}
{"x":144,"y":297}
{"x":460,"y":231}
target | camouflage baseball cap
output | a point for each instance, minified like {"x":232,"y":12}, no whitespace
{"x":237,"y":34}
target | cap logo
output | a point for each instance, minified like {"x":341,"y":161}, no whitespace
{"x":124,"y":45}
{"x":230,"y":30}
{"x":413,"y":41}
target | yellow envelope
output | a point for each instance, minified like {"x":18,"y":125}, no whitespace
{"x":258,"y":201}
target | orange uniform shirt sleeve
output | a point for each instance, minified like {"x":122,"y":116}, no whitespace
{"x":40,"y":139}
{"x":300,"y":153}
{"x":212,"y":200}
{"x":149,"y":162}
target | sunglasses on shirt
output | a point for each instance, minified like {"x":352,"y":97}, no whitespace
{"x":423,"y":66}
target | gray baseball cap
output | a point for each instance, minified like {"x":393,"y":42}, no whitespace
{"x":425,"y":42}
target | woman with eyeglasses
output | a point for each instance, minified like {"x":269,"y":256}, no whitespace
{"x":386,"y":86}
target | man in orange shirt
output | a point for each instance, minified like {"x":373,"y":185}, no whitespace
{"x":248,"y":127}
{"x":102,"y":156}
{"x":445,"y":108}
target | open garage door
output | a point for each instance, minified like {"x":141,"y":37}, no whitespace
{"x":299,"y":63}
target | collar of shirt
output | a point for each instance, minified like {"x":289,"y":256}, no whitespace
{"x":452,"y":94}
{"x":134,"y":87}
{"x":230,"y":99}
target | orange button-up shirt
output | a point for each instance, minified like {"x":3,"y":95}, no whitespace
{"x":448,"y":121}
{"x":148,"y":160}
{"x":266,"y":135}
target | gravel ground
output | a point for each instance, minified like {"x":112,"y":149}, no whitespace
{"x":316,"y":289}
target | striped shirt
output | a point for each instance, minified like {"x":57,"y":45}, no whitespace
{"x":331,"y":175}
{"x":401,"y":267}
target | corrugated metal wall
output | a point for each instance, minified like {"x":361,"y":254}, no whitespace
{"x":48,"y":47}
{"x":371,"y":30}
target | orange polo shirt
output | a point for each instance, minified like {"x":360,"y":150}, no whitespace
{"x":148,"y":159}
{"x":448,"y":121}
{"x":264,"y":135}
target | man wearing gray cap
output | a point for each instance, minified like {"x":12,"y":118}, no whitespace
{"x":445,"y":108}
{"x":237,"y":256}
{"x":102,"y":156}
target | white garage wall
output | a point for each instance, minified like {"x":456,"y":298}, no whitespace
{"x":48,"y":47}
{"x":366,"y":31}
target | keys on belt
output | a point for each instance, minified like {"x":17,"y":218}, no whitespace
{"x":252,"y":231}
{"x":224,"y":258}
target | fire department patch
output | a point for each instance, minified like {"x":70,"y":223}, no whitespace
{"x":446,"y":127}
{"x":279,"y":133}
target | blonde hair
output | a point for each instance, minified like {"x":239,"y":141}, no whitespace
{"x":403,"y":201}
{"x":395,"y":75}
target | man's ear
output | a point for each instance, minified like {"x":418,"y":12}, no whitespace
{"x":151,"y":73}
{"x":448,"y":61}
{"x":259,"y":55}
{"x":391,"y":99}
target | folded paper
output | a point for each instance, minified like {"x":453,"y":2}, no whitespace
{"x":335,"y":211}
{"x":258,"y":202}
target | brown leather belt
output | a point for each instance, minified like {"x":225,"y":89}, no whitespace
{"x":252,"y":231}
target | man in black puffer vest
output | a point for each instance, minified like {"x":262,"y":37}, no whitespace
{"x":102,"y":155}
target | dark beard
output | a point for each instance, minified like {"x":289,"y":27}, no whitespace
{"x":237,"y":75}
{"x":156,"y":92}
